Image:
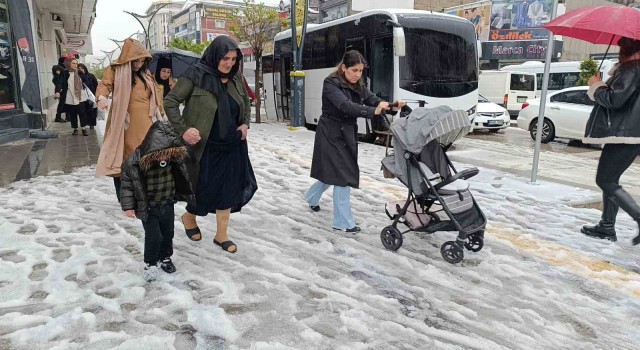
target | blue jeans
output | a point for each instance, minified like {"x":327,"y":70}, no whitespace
{"x":158,"y":233}
{"x":342,"y":216}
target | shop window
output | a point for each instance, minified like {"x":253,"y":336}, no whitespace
{"x":8,"y":90}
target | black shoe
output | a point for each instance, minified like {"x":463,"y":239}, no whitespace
{"x":91,"y":127}
{"x":60,"y":120}
{"x":167,"y":265}
{"x":354,"y":229}
{"x":75,"y":132}
{"x":315,"y":208}
{"x":85,"y":132}
{"x":602,"y":231}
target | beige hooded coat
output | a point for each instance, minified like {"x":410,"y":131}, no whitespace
{"x":131,"y":105}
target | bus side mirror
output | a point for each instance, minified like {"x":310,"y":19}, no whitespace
{"x":399,"y":48}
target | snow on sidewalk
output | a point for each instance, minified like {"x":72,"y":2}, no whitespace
{"x":70,"y":265}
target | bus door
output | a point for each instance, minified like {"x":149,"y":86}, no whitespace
{"x":283,"y":94}
{"x":381,"y":68}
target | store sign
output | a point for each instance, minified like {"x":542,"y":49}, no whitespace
{"x":216,"y":12}
{"x":517,"y":50}
{"x":518,"y":34}
{"x":21,"y":20}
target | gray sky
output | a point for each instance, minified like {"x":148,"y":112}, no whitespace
{"x":112,"y":23}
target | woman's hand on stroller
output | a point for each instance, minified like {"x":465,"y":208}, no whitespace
{"x":398,"y":105}
{"x":382,"y":106}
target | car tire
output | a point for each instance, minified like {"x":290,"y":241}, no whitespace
{"x":495,"y":131}
{"x":548,"y":130}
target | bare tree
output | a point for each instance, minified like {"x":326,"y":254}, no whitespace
{"x":255,"y":24}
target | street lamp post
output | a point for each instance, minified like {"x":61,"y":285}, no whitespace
{"x":118,"y":42}
{"x":109,"y":54}
{"x":149,"y":18}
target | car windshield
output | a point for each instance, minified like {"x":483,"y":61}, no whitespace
{"x":482,"y":99}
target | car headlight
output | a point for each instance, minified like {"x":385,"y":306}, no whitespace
{"x":472,"y":111}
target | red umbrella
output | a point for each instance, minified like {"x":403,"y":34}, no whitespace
{"x":598,"y":24}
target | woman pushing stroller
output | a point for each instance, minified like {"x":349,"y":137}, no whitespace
{"x":335,"y":153}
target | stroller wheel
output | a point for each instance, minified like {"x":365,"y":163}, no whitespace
{"x":452,"y":252}
{"x":474,"y":243}
{"x":391,"y":238}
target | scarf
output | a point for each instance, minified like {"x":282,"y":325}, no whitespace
{"x":77,"y":84}
{"x":205,"y":75}
{"x":113,"y":143}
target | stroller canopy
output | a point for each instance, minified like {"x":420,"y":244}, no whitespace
{"x":424,"y":125}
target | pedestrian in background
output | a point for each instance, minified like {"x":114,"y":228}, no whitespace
{"x":215,"y":121}
{"x":57,"y":71}
{"x":153,"y":177}
{"x":92,"y":85}
{"x":136,"y":100}
{"x":163,"y":76}
{"x":345,"y":98}
{"x":615,"y":122}
{"x":70,"y":91}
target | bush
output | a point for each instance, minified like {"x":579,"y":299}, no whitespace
{"x":588,"y":68}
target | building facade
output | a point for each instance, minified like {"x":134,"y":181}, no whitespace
{"x":33,"y":35}
{"x":201,"y":21}
{"x":160,"y":25}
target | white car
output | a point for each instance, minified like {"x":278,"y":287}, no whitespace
{"x":490,"y":116}
{"x":566,"y":114}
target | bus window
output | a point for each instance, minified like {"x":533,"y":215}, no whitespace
{"x":382,"y":68}
{"x":522,"y":82}
{"x":319,"y":59}
{"x":448,"y":70}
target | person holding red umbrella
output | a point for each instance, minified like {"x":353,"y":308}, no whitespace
{"x":615,"y":122}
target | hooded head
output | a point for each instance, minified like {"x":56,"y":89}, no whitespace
{"x":161,"y":143}
{"x":162,"y":78}
{"x":131,"y":51}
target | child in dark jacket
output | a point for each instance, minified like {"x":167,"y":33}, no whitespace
{"x":153,"y":177}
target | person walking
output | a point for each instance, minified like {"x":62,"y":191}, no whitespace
{"x":215,"y":122}
{"x":335,"y":149}
{"x":92,"y":85}
{"x":153,"y":177}
{"x":163,"y":76}
{"x":136,"y":100}
{"x":70,"y":90}
{"x":615,"y":122}
{"x":57,"y":71}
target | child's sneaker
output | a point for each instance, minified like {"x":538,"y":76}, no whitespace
{"x":150,"y":272}
{"x":167,"y":265}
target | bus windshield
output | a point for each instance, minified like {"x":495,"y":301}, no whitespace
{"x":441,"y":57}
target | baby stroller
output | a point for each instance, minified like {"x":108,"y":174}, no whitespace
{"x":439,"y":198}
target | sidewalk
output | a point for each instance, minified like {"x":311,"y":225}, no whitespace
{"x":36,"y":157}
{"x":578,"y":170}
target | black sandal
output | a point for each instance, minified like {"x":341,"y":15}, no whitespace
{"x":226,"y":245}
{"x":192,"y":232}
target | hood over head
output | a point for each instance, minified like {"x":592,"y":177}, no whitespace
{"x":161,"y":143}
{"x":132,"y":50}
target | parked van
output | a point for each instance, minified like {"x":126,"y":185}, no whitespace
{"x":562,"y":75}
{"x":508,"y":89}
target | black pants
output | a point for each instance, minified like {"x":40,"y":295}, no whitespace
{"x":77,"y":111}
{"x":614,"y":161}
{"x":158,"y":233}
{"x":92,"y":115}
{"x":117,"y":183}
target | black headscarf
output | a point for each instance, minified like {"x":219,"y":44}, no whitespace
{"x":163,"y":62}
{"x":205,"y":75}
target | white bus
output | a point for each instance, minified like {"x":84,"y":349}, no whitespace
{"x":562,"y":75}
{"x":412,"y":55}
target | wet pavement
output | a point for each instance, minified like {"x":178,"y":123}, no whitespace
{"x":29,"y":158}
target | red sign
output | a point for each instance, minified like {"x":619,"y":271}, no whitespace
{"x":6,"y":106}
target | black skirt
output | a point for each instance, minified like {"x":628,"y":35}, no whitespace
{"x":226,"y":179}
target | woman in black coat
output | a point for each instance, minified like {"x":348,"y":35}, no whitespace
{"x":615,"y":122}
{"x":92,"y":84}
{"x":335,"y":151}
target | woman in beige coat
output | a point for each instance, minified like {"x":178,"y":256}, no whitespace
{"x":136,"y":101}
